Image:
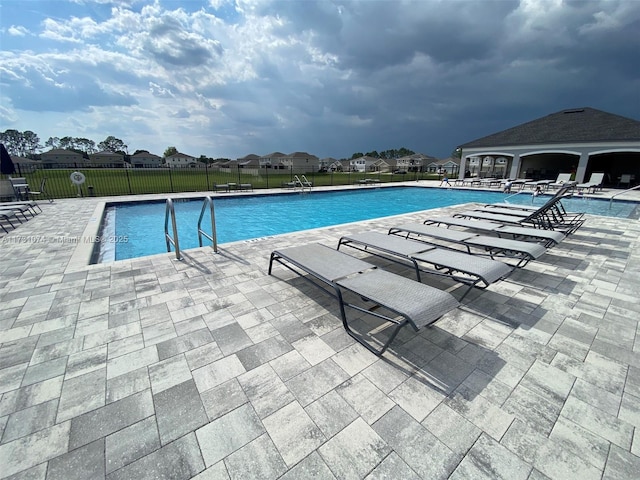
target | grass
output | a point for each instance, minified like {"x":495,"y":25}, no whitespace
{"x":106,"y":182}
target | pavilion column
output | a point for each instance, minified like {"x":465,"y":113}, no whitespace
{"x":515,"y":166}
{"x":581,"y":171}
{"x":463,"y":167}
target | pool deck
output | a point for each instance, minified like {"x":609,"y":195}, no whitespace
{"x":209,"y":368}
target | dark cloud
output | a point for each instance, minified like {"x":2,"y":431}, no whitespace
{"x":335,"y":77}
{"x":171,"y":45}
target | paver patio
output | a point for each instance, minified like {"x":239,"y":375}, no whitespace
{"x":210,"y":368}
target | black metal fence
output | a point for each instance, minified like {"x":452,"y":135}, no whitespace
{"x":100,"y":182}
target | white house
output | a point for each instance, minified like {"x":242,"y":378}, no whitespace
{"x":181,"y":160}
{"x":363,"y":164}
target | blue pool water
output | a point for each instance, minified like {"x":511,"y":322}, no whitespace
{"x":139,"y":226}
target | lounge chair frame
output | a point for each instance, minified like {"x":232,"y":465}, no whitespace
{"x":416,"y":304}
{"x":521,"y":252}
{"x":471,"y":271}
{"x":549,"y":238}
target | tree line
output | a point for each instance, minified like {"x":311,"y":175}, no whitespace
{"x":27,"y":144}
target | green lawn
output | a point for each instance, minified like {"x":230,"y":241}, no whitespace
{"x":107,"y":182}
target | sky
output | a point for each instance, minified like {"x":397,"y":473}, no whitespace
{"x":226,"y":78}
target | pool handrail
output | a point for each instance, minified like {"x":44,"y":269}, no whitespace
{"x":620,"y":193}
{"x":208,"y":201}
{"x":170,"y":212}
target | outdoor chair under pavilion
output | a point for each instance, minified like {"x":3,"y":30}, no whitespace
{"x":563,"y":180}
{"x":594,"y":183}
{"x":407,"y":302}
{"x":469,"y":270}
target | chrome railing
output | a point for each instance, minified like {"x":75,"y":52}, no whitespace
{"x":170,"y":212}
{"x":620,"y":193}
{"x":208,"y":202}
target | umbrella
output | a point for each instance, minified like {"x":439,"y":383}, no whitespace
{"x":6,"y":164}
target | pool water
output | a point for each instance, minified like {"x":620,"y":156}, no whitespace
{"x":139,"y":226}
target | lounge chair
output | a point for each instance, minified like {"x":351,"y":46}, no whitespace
{"x":534,"y":184}
{"x":470,"y":270}
{"x":563,"y":192}
{"x":18,"y":207}
{"x":563,"y":180}
{"x":594,"y":183}
{"x":550,"y":216}
{"x":625,"y":179}
{"x":7,"y":215}
{"x":416,"y":304}
{"x":521,"y":252}
{"x":20,"y":188}
{"x":40,"y":193}
{"x":549,"y":238}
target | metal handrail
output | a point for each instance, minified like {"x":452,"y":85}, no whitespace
{"x":302,"y":183}
{"x":620,"y":193}
{"x":518,"y":193}
{"x":213,"y":237}
{"x":170,"y":212}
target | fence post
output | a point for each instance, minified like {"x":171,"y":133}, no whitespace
{"x":206,"y":171}
{"x":170,"y":180}
{"x":126,"y":170}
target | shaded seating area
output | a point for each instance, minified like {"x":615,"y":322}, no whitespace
{"x":469,"y":270}
{"x":401,"y":302}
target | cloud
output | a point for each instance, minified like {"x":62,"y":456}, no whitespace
{"x":227,"y":78}
{"x":17,"y":31}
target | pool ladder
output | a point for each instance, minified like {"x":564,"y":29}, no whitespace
{"x":302,"y":183}
{"x":208,"y":202}
{"x":170,"y":213}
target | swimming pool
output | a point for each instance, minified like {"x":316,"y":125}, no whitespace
{"x":140,"y":225}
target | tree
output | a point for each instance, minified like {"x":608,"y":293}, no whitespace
{"x":86,"y":145}
{"x":170,"y":151}
{"x":373,"y":154}
{"x":140,"y":151}
{"x":12,"y":140}
{"x":30,"y":143}
{"x":113,"y":144}
{"x":52,"y":143}
{"x":357,"y":155}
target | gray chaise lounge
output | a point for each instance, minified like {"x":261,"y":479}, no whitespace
{"x":470,"y":270}
{"x":416,"y":304}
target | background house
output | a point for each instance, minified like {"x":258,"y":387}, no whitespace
{"x":181,"y":160}
{"x":145,"y":160}
{"x":60,"y":158}
{"x":106,"y":160}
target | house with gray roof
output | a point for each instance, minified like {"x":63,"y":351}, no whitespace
{"x":579,"y":141}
